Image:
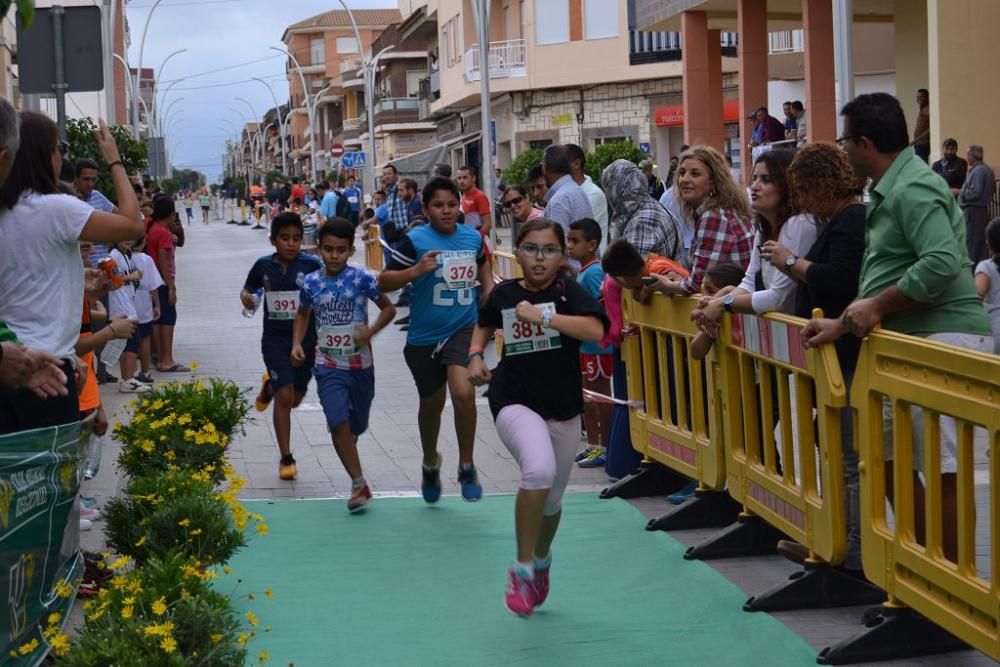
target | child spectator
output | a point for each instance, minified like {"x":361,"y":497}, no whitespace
{"x":595,"y":361}
{"x":280,"y":275}
{"x":717,"y":278}
{"x":338,"y":296}
{"x":121,"y":304}
{"x":147,"y":304}
{"x":626,"y":266}
{"x":988,"y":280}
{"x":160,"y":244}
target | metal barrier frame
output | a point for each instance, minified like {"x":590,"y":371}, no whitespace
{"x":915,"y":371}
{"x":373,"y":249}
{"x":810,"y":514}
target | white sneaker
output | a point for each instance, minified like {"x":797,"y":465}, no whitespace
{"x":132,"y":386}
{"x":90,"y":514}
{"x":85,"y":524}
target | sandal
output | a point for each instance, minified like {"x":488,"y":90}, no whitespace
{"x":176,"y":368}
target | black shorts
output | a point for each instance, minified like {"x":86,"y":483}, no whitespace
{"x":168,"y":313}
{"x":22,"y":410}
{"x":278,"y":362}
{"x":132,"y":345}
{"x":429,"y":364}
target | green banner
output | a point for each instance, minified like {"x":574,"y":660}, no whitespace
{"x":40,"y":473}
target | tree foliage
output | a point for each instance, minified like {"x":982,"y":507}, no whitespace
{"x":605,"y":154}
{"x":26,"y":8}
{"x":82,"y":144}
{"x":517,"y":172}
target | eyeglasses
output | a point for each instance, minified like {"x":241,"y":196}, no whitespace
{"x":843,"y":140}
{"x":513,"y":202}
{"x":545,"y":251}
{"x":63,"y":148}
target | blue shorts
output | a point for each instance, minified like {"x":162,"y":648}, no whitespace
{"x":346,"y":396}
{"x":168,"y":313}
{"x":132,"y":345}
{"x":146,"y":329}
{"x":278,"y":362}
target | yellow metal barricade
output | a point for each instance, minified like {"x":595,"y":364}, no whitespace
{"x":373,"y":248}
{"x":781,"y":410}
{"x":910,"y":392}
{"x":505,"y":267}
{"x":679,"y":420}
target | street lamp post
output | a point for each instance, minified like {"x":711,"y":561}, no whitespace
{"x":156,"y":82}
{"x":138,"y":73}
{"x":482,"y":9}
{"x":132,"y":93}
{"x":310,"y":111}
{"x":281,"y":125}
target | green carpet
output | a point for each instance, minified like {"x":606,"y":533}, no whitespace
{"x":409,"y":584}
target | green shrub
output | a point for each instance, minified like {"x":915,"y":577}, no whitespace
{"x":517,"y":172}
{"x":605,"y":154}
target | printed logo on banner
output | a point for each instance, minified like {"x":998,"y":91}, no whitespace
{"x":17,"y":597}
{"x":6,"y":497}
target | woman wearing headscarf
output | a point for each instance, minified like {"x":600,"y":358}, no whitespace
{"x":635,"y":216}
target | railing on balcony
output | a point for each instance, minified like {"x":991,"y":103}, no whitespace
{"x":786,"y":41}
{"x":353,"y":124}
{"x":397,"y":110}
{"x":656,"y":47}
{"x":507,"y":59}
{"x":350,"y":66}
{"x":430,"y":87}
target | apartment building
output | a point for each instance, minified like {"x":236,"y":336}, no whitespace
{"x":940,"y":46}
{"x":326,"y":58}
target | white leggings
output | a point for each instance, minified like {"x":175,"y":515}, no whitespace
{"x":544,"y":449}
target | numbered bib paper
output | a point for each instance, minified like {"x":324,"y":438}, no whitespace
{"x":525,"y":338}
{"x":337,"y":341}
{"x":282,"y":305}
{"x":459,"y":269}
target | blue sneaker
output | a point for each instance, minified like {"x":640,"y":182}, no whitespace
{"x":597,"y":458}
{"x":430,"y":486}
{"x":683,"y":494}
{"x":582,"y":454}
{"x":472,"y":490}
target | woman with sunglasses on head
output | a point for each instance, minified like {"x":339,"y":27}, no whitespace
{"x":536,"y":393}
{"x":41,"y":277}
{"x":517,"y":201}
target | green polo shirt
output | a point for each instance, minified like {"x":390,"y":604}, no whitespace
{"x":6,"y":335}
{"x":915,"y":239}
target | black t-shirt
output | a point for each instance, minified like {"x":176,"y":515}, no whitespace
{"x":545,"y":380}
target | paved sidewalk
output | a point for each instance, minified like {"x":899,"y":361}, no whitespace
{"x":212,"y":332}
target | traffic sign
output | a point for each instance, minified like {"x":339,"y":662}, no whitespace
{"x":336,"y":150}
{"x":353,"y":160}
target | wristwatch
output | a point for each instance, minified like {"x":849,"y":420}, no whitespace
{"x":790,"y":262}
{"x":727,"y":302}
{"x":547,"y":318}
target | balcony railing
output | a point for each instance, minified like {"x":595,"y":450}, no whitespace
{"x":350,"y":66}
{"x":397,"y":110}
{"x":353,"y":124}
{"x":786,"y":41}
{"x":430,"y":87}
{"x":507,"y":59}
{"x":656,"y":47}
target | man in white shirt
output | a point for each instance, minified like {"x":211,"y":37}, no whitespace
{"x":598,"y":202}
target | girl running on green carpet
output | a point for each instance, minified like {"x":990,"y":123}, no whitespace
{"x":536,"y":394}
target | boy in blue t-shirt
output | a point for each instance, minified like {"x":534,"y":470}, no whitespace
{"x":443,"y":260}
{"x":333,"y":313}
{"x":353,"y":194}
{"x":280,"y":276}
{"x":596,"y":363}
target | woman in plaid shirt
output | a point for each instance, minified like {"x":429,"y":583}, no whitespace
{"x":723,"y":231}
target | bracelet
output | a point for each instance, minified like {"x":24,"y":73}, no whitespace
{"x":114,"y":334}
{"x":475,"y":348}
{"x":112,"y":164}
{"x":476,"y":353}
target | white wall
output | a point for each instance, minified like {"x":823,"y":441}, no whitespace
{"x":779,"y":91}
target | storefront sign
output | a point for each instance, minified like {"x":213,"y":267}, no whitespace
{"x":673,"y":115}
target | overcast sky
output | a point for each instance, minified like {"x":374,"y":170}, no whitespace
{"x":218,"y":34}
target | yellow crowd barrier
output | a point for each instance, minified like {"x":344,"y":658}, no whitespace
{"x":373,"y":248}
{"x":678,"y":417}
{"x":505,"y":267}
{"x":930,"y":390}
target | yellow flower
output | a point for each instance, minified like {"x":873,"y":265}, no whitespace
{"x":25,"y":649}
{"x":54,"y":617}
{"x":262,"y":656}
{"x":269,"y":593}
{"x":243,"y":639}
{"x":120,"y":563}
{"x":184,"y":523}
{"x":227,"y":569}
{"x":142,"y":541}
{"x":262,"y":528}
{"x":216,"y":637}
{"x":196,"y":531}
{"x":127,"y":611}
{"x":168,"y":644}
{"x":194,"y":365}
{"x":60,"y":644}
{"x":159,"y":630}
{"x":129,"y":600}
{"x":63,"y":589}
{"x":184,"y":419}
{"x":160,"y":607}
{"x":252,"y":618}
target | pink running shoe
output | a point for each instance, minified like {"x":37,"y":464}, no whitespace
{"x":520,"y":598}
{"x":540,"y":586}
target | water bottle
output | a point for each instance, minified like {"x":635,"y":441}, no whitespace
{"x":112,"y":351}
{"x":92,"y":462}
{"x":256,"y":297}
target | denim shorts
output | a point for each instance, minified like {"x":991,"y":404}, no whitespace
{"x":346,"y":396}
